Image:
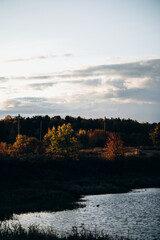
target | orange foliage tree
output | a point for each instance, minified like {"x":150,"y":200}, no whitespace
{"x":25,"y":145}
{"x":3,"y":148}
{"x":115,"y":147}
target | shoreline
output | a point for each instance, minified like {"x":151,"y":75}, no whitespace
{"x":55,"y":185}
{"x":55,"y":231}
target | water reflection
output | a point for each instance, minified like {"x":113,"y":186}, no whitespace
{"x":135,"y":214}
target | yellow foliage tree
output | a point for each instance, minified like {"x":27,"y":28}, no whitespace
{"x":48,"y":136}
{"x":25,"y":145}
{"x":64,"y":142}
{"x":155,"y":136}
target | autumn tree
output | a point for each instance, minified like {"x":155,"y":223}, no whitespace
{"x":48,"y":135}
{"x":115,"y":147}
{"x":155,"y":136}
{"x":3,"y":148}
{"x":83,"y":138}
{"x":64,"y":142}
{"x":25,"y":145}
{"x":97,"y":137}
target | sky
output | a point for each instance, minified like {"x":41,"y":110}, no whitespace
{"x":88,"y":58}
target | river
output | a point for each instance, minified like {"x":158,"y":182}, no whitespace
{"x":135,"y":214}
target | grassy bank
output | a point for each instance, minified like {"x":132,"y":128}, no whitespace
{"x":16,"y":232}
{"x":41,"y":183}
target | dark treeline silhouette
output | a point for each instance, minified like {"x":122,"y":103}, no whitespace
{"x":132,"y":132}
{"x":52,"y":175}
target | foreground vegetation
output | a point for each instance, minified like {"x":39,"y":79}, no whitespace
{"x":53,"y":174}
{"x":16,"y":232}
{"x":42,"y":183}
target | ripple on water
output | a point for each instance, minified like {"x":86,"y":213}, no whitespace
{"x":136,"y":214}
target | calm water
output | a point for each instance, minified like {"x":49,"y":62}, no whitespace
{"x":135,"y":214}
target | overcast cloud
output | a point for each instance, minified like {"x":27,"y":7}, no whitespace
{"x":87,"y":90}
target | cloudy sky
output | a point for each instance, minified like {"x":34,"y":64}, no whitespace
{"x":88,"y":58}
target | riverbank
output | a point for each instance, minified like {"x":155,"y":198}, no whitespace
{"x":45,"y":183}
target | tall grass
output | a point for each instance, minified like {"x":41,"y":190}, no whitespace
{"x":17,"y":232}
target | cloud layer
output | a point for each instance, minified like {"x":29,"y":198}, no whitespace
{"x":89,"y":91}
{"x":39,"y":57}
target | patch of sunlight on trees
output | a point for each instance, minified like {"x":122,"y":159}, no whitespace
{"x":24,"y":145}
{"x":63,"y":141}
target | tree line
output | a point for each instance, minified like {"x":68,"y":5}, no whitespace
{"x":91,"y":131}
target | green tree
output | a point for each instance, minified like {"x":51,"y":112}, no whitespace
{"x":64,"y":142}
{"x":155,"y":136}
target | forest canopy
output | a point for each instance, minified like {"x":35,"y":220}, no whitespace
{"x":132,"y":132}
